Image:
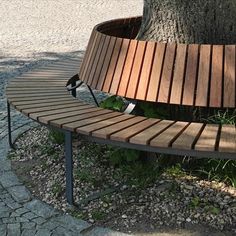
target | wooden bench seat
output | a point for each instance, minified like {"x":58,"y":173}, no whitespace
{"x":47,"y":101}
{"x":114,"y":62}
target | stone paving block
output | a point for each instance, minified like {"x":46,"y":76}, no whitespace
{"x":5,"y":196}
{"x":50,"y":225}
{"x":30,"y":215}
{"x":3,"y":230}
{"x":9,"y":179}
{"x":3,"y":146}
{"x":40,"y":208}
{"x":28,"y":232}
{"x":13,"y":229}
{"x":60,"y":231}
{"x":13,"y":214}
{"x":21,"y":219}
{"x":9,"y":200}
{"x":5,"y":165}
{"x":72,"y":223}
{"x":14,"y":205}
{"x":9,"y":220}
{"x":4,"y":208}
{"x":39,"y":220}
{"x":29,"y":225}
{"x":43,"y":232}
{"x":99,"y":231}
{"x":21,"y":211}
{"x":20,"y":193}
{"x":4,"y":214}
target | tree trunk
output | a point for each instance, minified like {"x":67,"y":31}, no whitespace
{"x":189,"y":21}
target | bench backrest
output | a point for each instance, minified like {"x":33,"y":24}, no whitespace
{"x":194,"y":75}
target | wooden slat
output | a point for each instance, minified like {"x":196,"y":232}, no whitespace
{"x":100,"y":63}
{"x":87,"y":53}
{"x":156,"y":72}
{"x":62,"y":118}
{"x":187,"y":138}
{"x":179,"y":72}
{"x":166,"y":78}
{"x":227,"y":139}
{"x":45,"y":73}
{"x":74,"y":116}
{"x":112,"y":65}
{"x":120,"y":65}
{"x":127,"y":68}
{"x":166,"y":138}
{"x":106,"y":132}
{"x":136,"y":69}
{"x":43,"y":101}
{"x":229,"y":76}
{"x":50,"y":107}
{"x":125,"y":134}
{"x":36,"y":81}
{"x":207,"y":139}
{"x":20,"y":86}
{"x":145,"y":136}
{"x":96,"y":60}
{"x":75,"y":125}
{"x":35,"y":98}
{"x":33,"y":91}
{"x":31,"y":96}
{"x":86,"y":61}
{"x":146,"y":71}
{"x":40,"y":80}
{"x":61,"y":67}
{"x":106,"y":63}
{"x":203,"y":76}
{"x":43,"y":104}
{"x":191,"y":75}
{"x":90,"y":128}
{"x":90,"y":61}
{"x":52,"y":112}
{"x":216,"y":76}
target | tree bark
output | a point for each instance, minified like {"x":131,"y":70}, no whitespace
{"x":189,"y":21}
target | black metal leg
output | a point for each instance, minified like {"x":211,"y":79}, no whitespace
{"x":69,"y":167}
{"x":9,"y":125}
{"x":94,"y":98}
{"x":73,"y":90}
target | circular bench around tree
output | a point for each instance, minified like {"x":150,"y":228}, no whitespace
{"x":115,"y":62}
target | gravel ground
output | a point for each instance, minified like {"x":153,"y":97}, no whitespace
{"x":168,"y":201}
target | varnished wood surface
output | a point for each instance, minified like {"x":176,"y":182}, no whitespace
{"x":192,"y":75}
{"x":56,"y":107}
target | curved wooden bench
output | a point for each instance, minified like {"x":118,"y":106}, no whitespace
{"x":193,"y":75}
{"x":137,"y":70}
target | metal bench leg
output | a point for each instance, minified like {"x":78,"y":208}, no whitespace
{"x":73,"y":91}
{"x":9,"y":125}
{"x":69,"y":167}
{"x":94,"y":98}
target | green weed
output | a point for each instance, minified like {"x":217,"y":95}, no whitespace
{"x":56,"y":136}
